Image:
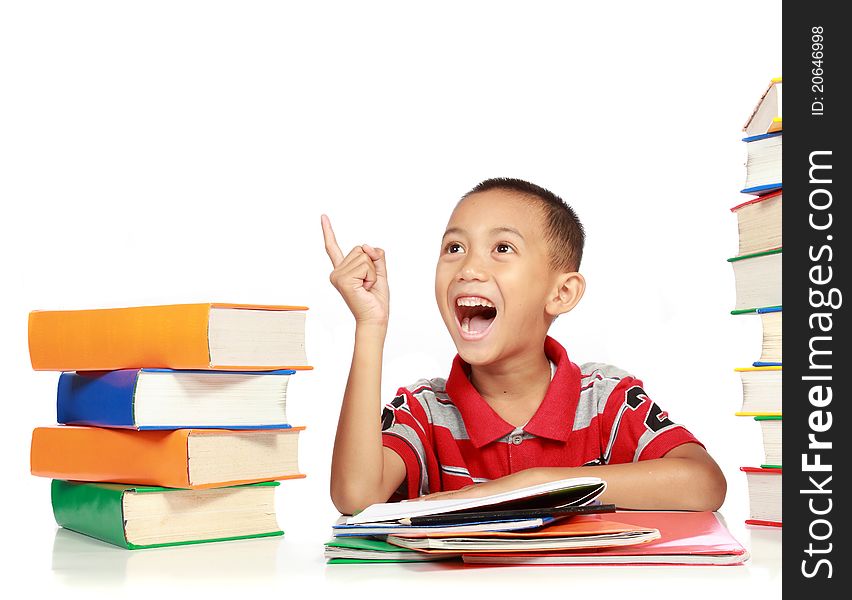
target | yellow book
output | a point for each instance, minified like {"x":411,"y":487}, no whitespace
{"x":757,"y":414}
{"x":761,"y":391}
{"x":766,"y":116}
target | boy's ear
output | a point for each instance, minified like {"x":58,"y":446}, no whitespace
{"x":569,"y":290}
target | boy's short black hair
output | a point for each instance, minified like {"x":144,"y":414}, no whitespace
{"x":562,"y":228}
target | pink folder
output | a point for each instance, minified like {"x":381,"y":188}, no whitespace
{"x":686,"y":538}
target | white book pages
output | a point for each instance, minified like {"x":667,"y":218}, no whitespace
{"x":393,"y":511}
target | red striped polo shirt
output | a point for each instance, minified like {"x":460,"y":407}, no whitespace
{"x":592,"y":414}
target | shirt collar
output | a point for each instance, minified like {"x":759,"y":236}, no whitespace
{"x":554,"y":418}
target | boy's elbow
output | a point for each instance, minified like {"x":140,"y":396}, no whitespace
{"x":700,"y":481}
{"x":710,"y":487}
{"x":350,"y":501}
{"x":715,"y":497}
{"x":347,"y":503}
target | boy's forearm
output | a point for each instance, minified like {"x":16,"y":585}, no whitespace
{"x":685,"y":479}
{"x":357,"y":460}
{"x":660,"y":484}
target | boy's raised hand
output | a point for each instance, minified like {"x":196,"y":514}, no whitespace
{"x":360,"y":277}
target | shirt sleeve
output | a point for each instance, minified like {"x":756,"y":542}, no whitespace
{"x":635,"y":428}
{"x":406,"y":431}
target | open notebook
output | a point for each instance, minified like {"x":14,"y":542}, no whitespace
{"x":578,"y":491}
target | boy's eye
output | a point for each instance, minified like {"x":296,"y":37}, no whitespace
{"x":503,"y":248}
{"x":453,"y":248}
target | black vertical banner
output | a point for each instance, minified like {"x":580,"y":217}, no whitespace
{"x":816,"y":232}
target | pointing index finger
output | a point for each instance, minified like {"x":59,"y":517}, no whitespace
{"x":331,"y":247}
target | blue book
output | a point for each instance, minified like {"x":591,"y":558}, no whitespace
{"x":763,"y":167}
{"x":172,"y":399}
{"x":762,"y":136}
{"x":760,"y":190}
{"x":768,"y":309}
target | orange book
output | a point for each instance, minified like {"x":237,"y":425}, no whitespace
{"x":581,"y":531}
{"x":206,"y":336}
{"x":182,"y":458}
{"x":578,"y":525}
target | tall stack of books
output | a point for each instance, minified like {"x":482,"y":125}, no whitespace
{"x":172,"y":419}
{"x":757,"y":271}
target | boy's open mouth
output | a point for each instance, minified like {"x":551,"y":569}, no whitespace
{"x":475,"y":315}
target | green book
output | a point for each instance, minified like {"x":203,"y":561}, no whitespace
{"x":770,"y":426}
{"x":755,"y":255}
{"x":757,"y":279}
{"x":746,"y":311}
{"x":135,"y":517}
{"x":360,"y":550}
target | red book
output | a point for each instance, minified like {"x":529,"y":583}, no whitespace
{"x":764,"y":494}
{"x":759,"y":223}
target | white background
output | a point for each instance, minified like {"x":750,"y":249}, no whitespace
{"x":165,"y":152}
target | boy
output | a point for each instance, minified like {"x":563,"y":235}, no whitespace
{"x":515,"y":411}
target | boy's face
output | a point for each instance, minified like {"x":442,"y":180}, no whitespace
{"x":493,"y":278}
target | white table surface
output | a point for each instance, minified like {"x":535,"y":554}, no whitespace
{"x":294,"y":564}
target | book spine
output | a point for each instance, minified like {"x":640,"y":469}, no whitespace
{"x":103,"y":399}
{"x":94,"y":454}
{"x":173,"y":336}
{"x":92,"y":510}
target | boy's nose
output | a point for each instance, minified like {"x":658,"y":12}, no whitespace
{"x":471,"y":270}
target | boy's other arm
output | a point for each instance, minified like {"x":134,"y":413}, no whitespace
{"x":686,"y":478}
{"x":363,"y":472}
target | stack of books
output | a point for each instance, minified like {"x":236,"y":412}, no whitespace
{"x":559,"y":522}
{"x":757,"y":272}
{"x":172,"y":419}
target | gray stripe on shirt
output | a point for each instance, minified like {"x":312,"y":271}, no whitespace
{"x":409,"y":435}
{"x":442,"y":415}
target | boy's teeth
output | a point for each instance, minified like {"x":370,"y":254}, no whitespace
{"x":465,"y":325}
{"x":474,"y":302}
